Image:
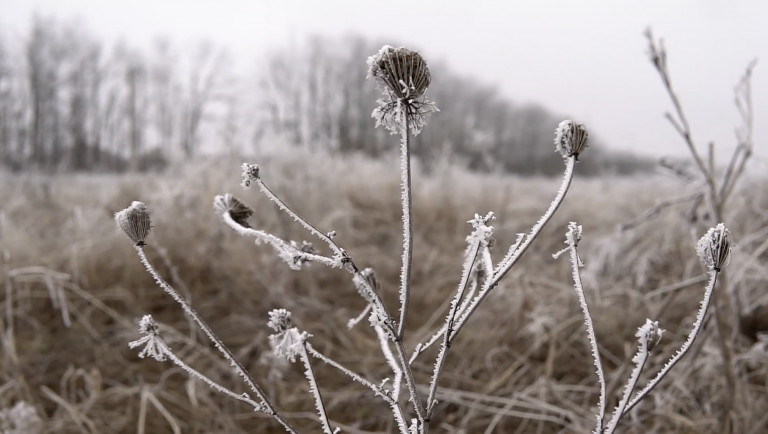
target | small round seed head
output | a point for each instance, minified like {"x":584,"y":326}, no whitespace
{"x":714,"y":248}
{"x":148,"y":326}
{"x":650,"y":333}
{"x":571,"y":138}
{"x":239,"y":212}
{"x":404,"y":72}
{"x":250,"y":174}
{"x":280,"y":320}
{"x":135,"y":222}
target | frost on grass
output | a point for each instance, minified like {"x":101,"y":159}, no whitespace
{"x":403,"y":77}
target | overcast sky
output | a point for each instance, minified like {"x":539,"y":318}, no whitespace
{"x":585,"y":59}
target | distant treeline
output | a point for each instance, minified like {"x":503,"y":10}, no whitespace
{"x":69,"y":103}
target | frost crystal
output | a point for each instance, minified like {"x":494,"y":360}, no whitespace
{"x":153,"y":344}
{"x":403,"y":77}
{"x":135,"y":222}
{"x":571,"y":139}
{"x":714,"y":248}
{"x":236,"y":209}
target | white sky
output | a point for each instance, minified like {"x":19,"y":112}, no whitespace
{"x":584,"y":59}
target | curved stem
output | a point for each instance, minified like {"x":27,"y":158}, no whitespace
{"x":683,"y":349}
{"x":513,"y":256}
{"x":578,"y":286}
{"x":236,"y":365}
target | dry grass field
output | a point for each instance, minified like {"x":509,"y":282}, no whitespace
{"x":73,"y":291}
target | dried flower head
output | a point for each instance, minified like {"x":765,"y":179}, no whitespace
{"x":649,"y":334}
{"x":714,"y":248}
{"x":571,"y":138}
{"x":288,"y":341}
{"x":153,"y":345}
{"x":250,"y":174}
{"x":403,"y":77}
{"x":135,"y":222}
{"x":404,"y":72}
{"x":236,"y":209}
{"x":280,"y":320}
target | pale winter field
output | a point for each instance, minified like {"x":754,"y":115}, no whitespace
{"x":73,"y":291}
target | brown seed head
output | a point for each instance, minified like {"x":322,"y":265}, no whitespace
{"x":571,"y":138}
{"x":237,"y":210}
{"x":135,"y":222}
{"x":404,"y":72}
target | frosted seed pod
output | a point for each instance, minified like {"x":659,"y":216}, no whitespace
{"x":135,"y":222}
{"x":571,"y":139}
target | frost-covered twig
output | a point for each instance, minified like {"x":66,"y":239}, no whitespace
{"x":481,"y":235}
{"x":135,"y":222}
{"x":572,"y":238}
{"x":154,"y":347}
{"x":648,"y":336}
{"x":396,"y":411}
{"x":714,"y":250}
{"x":503,"y":268}
{"x":315,"y":391}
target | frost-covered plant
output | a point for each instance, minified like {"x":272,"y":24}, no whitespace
{"x":403,"y":77}
{"x":714,"y":249}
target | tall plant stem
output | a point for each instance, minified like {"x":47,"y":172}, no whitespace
{"x":407,"y":202}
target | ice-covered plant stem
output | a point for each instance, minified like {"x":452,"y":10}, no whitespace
{"x":572,"y":238}
{"x":714,"y":249}
{"x":135,"y":222}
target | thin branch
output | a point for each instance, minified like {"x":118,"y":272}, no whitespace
{"x":396,"y":411}
{"x":683,"y":349}
{"x":315,"y":390}
{"x":236,"y":365}
{"x":503,"y":268}
{"x":469,"y":262}
{"x":573,"y":237}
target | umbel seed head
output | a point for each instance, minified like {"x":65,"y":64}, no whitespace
{"x":714,"y":248}
{"x":135,"y":222}
{"x":404,"y":72}
{"x":571,"y":138}
{"x":280,"y":320}
{"x":236,"y":209}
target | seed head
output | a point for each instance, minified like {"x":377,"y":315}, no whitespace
{"x":714,"y":248}
{"x":404,"y":72}
{"x":135,"y":222}
{"x":650,"y":334}
{"x":403,"y":77}
{"x":236,"y":209}
{"x":571,"y":139}
{"x":250,"y":174}
{"x":280,"y":320}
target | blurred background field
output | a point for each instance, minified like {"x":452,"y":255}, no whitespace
{"x":74,"y":291}
{"x":104,"y":103}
